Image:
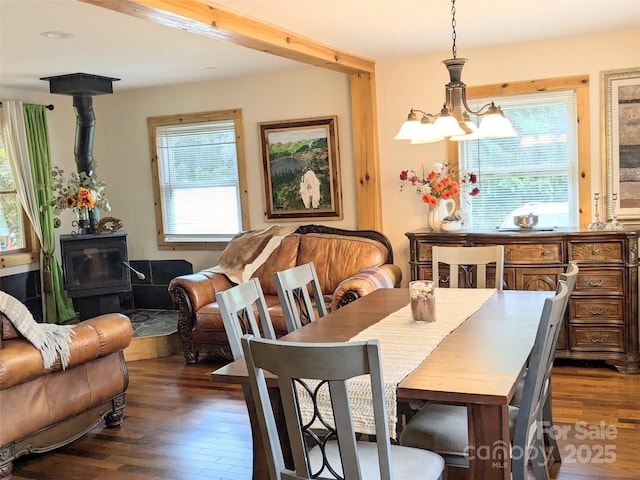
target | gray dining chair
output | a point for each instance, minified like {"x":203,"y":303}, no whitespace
{"x":337,"y":455}
{"x":468,"y":260}
{"x":569,"y":276}
{"x":238,"y":307}
{"x":293,"y":287}
{"x":444,"y":428}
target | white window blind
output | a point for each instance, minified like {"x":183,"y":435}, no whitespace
{"x":535,"y":172}
{"x":199,"y":181}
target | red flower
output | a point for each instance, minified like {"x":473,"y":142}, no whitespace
{"x":439,"y":183}
{"x":430,"y":199}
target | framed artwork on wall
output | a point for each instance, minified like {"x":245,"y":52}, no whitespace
{"x":301,"y":162}
{"x":621,"y":143}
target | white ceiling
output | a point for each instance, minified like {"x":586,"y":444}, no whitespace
{"x":144,"y":54}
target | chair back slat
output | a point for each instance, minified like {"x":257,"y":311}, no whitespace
{"x":237,"y":307}
{"x":468,"y":260}
{"x":293,"y":287}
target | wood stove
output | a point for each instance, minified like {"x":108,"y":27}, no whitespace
{"x":95,"y":271}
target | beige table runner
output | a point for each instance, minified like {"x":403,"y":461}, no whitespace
{"x":403,"y":346}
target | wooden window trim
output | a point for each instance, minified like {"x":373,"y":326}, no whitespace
{"x":153,"y":123}
{"x":578,"y":83}
{"x":24,"y":256}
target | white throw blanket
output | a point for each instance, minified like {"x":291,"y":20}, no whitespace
{"x":52,"y":340}
{"x":247,"y":251}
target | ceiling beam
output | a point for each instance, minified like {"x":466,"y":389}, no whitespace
{"x":221,"y":24}
{"x":213,"y":21}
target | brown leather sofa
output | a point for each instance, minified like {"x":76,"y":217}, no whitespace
{"x":42,"y":409}
{"x":349,"y":264}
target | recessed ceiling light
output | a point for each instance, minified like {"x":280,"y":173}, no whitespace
{"x":57,"y":35}
{"x":207,"y":67}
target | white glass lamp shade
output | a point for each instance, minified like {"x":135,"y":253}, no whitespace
{"x":409,"y":130}
{"x":447,"y":125}
{"x":428,"y":133}
{"x":494,"y":124}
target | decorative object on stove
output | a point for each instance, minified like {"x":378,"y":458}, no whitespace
{"x":108,"y":225}
{"x":80,"y":192}
{"x":454,"y":121}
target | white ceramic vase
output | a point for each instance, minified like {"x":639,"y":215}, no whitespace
{"x":437,"y":213}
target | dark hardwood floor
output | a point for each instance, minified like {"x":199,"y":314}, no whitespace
{"x":181,"y":426}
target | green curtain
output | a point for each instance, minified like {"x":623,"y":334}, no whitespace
{"x":58,"y":305}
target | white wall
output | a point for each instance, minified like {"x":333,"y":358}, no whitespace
{"x":418,"y":82}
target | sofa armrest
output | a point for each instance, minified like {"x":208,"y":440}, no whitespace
{"x":191,"y":292}
{"x":365,"y":282}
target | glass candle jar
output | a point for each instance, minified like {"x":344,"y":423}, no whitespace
{"x":423,"y":301}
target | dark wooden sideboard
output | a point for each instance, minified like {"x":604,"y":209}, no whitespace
{"x":602,"y":316}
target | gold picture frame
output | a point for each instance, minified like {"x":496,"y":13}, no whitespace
{"x":301,"y":162}
{"x":621,"y":143}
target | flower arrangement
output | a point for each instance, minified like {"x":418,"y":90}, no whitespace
{"x":439,"y":184}
{"x":78,"y":190}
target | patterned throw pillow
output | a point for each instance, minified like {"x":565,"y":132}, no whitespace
{"x":377,"y":277}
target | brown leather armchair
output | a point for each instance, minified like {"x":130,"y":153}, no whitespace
{"x":42,"y":409}
{"x":349,"y":264}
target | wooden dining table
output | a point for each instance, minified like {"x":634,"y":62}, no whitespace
{"x":479,"y":365}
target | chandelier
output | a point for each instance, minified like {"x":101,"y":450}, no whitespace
{"x":454,"y":121}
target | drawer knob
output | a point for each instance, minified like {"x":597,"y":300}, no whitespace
{"x":597,"y":284}
{"x":546,"y":253}
{"x":595,"y":311}
{"x":596,"y":251}
{"x":599,"y":339}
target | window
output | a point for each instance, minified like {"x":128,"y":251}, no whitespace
{"x":537,"y":171}
{"x":199,"y":178}
{"x":17,"y":242}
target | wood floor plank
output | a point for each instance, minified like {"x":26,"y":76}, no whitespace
{"x":180,"y":426}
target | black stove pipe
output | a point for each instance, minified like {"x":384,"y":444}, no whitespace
{"x":85,"y":129}
{"x":82,"y":87}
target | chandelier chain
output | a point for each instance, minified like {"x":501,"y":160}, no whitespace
{"x":453,"y":27}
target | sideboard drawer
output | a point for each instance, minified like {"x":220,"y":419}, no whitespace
{"x":526,"y":253}
{"x":596,"y":310}
{"x":423,"y":250}
{"x":603,"y":252}
{"x":545,"y":279}
{"x":598,"y":280}
{"x":609,"y":338}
